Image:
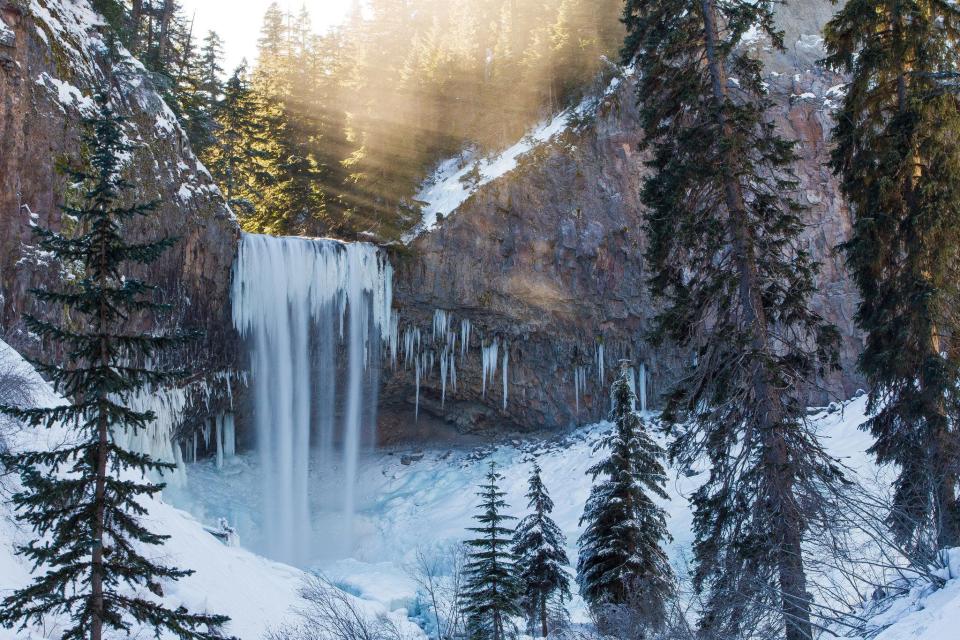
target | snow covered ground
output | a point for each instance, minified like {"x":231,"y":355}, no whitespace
{"x":424,"y":505}
{"x":427,"y":504}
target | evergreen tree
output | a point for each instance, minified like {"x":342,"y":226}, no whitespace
{"x":236,"y":158}
{"x":898,"y":156}
{"x":211,"y":56}
{"x":539,"y":557}
{"x":83,"y":500}
{"x":729,"y":263}
{"x":192,"y":102}
{"x":622,"y":560}
{"x":490,"y":590}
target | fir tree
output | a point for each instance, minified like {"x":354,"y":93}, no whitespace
{"x":539,"y":557}
{"x":729,"y":263}
{"x":83,"y":500}
{"x":237,"y":158}
{"x":211,"y":56}
{"x":897,"y":149}
{"x":490,"y":590}
{"x":622,"y":560}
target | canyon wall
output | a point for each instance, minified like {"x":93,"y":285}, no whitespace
{"x":53,"y":58}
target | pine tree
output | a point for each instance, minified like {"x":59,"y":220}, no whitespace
{"x":490,"y":590}
{"x":83,"y":500}
{"x":897,"y":148}
{"x":539,"y":557}
{"x":237,"y":158}
{"x":622,"y":560}
{"x":211,"y":56}
{"x":729,"y":263}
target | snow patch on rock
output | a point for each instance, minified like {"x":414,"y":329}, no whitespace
{"x":456,"y":179}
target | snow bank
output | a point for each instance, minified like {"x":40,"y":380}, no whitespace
{"x":923,"y":612}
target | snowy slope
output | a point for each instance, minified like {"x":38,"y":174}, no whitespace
{"x":456,"y":179}
{"x":255,"y":592}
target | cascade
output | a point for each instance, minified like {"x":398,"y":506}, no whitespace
{"x":296,"y":301}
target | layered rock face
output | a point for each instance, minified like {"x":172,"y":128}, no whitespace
{"x":52,"y":60}
{"x":549,"y":259}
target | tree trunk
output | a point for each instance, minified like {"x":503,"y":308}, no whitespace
{"x":136,"y":15}
{"x":166,"y":15}
{"x":792,"y":578}
{"x":100,"y":473}
{"x":543,"y":615}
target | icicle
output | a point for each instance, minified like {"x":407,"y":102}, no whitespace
{"x":218,"y":436}
{"x":506,"y":360}
{"x":577,"y":387}
{"x":394,"y":338}
{"x":600,"y":365}
{"x":416,"y":406}
{"x":441,"y":324}
{"x":453,"y":370}
{"x":229,"y":436}
{"x":489,"y":357}
{"x":443,"y":377}
{"x":464,"y":338}
{"x":642,"y":388}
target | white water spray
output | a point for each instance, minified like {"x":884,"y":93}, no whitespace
{"x":291,"y":296}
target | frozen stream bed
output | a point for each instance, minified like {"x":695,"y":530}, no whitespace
{"x":428,"y":503}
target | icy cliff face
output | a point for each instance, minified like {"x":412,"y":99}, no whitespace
{"x":52,"y":61}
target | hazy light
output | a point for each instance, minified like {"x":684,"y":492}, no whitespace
{"x":238,"y":21}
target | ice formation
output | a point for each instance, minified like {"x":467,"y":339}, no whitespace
{"x":642,"y":388}
{"x":579,"y":384}
{"x":157,"y":438}
{"x":295,"y":300}
{"x":488,"y":356}
{"x":600,"y":363}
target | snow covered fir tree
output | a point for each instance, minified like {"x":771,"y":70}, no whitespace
{"x":491,"y":590}
{"x":623,"y":569}
{"x":83,"y":500}
{"x":672,"y":284}
{"x":540,"y":560}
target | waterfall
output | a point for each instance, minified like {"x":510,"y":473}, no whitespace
{"x":296,"y":301}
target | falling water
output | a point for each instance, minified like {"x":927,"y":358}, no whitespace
{"x":296,"y":300}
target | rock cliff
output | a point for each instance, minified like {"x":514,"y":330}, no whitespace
{"x":53,"y":58}
{"x":548,"y":258}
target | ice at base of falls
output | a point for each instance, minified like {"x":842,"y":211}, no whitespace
{"x":294,"y":299}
